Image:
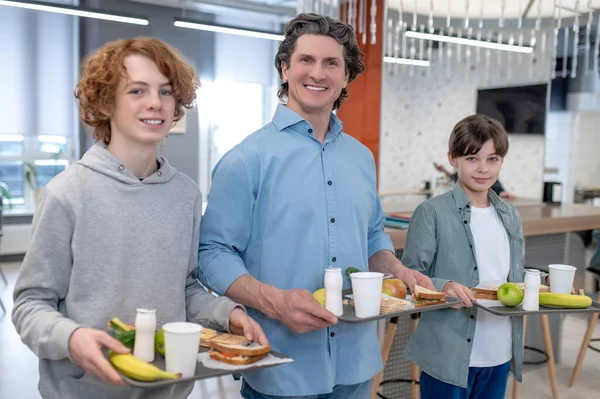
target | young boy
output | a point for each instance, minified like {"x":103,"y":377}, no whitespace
{"x":461,"y":239}
{"x":118,"y":230}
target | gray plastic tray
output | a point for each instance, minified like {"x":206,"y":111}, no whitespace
{"x":500,"y":310}
{"x":349,"y":315}
{"x":201,"y":372}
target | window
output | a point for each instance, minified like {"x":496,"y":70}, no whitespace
{"x":45,"y":170}
{"x":11,"y":145}
{"x":11,"y":174}
{"x":52,"y":144}
{"x":29,"y":163}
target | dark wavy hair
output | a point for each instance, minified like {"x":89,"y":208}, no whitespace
{"x":314,"y":24}
{"x":103,"y":69}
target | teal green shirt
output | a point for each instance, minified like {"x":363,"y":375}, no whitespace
{"x":440,"y":245}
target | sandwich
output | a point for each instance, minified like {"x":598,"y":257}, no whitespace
{"x":491,"y":292}
{"x":543,"y":287}
{"x":388,"y":304}
{"x":485,"y":293}
{"x":424,"y":297}
{"x":235,"y":349}
{"x":206,"y":335}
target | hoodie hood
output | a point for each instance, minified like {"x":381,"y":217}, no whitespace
{"x":99,"y":159}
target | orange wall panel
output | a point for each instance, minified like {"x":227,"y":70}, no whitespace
{"x":360,"y":113}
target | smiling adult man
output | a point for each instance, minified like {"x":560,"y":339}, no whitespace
{"x":293,"y":198}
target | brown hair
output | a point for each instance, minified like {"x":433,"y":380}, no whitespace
{"x":471,"y":133}
{"x":103,"y":69}
{"x":314,"y":24}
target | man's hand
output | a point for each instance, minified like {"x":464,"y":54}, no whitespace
{"x":301,"y":312}
{"x":412,"y":277}
{"x":84,"y":348}
{"x":242,"y":324}
{"x":461,"y":292}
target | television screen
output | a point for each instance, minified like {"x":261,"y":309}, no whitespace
{"x":520,"y":109}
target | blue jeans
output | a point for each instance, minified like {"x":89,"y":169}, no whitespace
{"x":484,"y":383}
{"x":357,"y":391}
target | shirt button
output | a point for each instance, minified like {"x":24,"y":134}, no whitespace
{"x":332,"y":220}
{"x":465,"y":222}
{"x":310,"y":130}
{"x":333,"y":259}
{"x":159,"y":173}
{"x":472,"y":317}
{"x":468,"y":206}
{"x":330,"y":182}
{"x":475,"y":268}
{"x":121,"y":168}
{"x":468,"y":339}
{"x":332,"y":335}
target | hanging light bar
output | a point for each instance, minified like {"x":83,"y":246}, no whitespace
{"x":180,"y":23}
{"x":469,"y":42}
{"x":74,"y":11}
{"x":406,"y":61}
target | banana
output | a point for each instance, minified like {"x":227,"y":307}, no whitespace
{"x":137,"y":369}
{"x":567,"y":301}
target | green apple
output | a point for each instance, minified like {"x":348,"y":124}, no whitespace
{"x":510,"y":294}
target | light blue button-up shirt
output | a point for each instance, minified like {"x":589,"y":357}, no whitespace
{"x":284,"y":207}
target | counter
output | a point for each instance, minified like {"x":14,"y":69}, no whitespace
{"x":538,"y":219}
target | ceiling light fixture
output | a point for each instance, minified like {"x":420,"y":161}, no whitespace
{"x":180,"y":23}
{"x":469,"y":42}
{"x":74,"y":11}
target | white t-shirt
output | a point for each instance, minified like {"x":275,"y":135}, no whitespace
{"x":492,"y":343}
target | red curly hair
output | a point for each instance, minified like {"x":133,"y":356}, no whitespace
{"x":102,"y":70}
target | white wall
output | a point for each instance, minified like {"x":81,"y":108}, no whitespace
{"x":586,"y":150}
{"x":420,"y":110}
{"x":559,"y":152}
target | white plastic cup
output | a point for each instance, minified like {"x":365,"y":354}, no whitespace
{"x":561,"y":278}
{"x":366,"y":288}
{"x":182,"y":340}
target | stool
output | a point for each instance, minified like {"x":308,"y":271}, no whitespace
{"x":549,"y":353}
{"x":587,"y":337}
{"x":385,"y":352}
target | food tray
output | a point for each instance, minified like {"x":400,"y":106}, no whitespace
{"x":201,"y":371}
{"x":496,"y":307}
{"x":349,"y":315}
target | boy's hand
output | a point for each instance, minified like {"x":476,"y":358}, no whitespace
{"x":84,"y":348}
{"x":461,"y":292}
{"x":242,"y":324}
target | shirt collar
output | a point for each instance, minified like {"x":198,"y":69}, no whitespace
{"x":285,"y":117}
{"x":462,"y":201}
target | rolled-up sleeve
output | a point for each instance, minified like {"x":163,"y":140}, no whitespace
{"x":421,"y":244}
{"x":226,"y":226}
{"x":378,"y":239}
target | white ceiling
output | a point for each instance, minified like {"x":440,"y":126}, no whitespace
{"x":492,"y":8}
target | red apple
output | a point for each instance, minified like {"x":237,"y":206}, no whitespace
{"x":394,"y":287}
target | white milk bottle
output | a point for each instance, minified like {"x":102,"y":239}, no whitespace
{"x":333,"y":290}
{"x":145,"y":330}
{"x":531,"y":301}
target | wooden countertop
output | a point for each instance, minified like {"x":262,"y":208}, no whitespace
{"x":538,"y":219}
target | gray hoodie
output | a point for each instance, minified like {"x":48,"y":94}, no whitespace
{"x":105,"y":243}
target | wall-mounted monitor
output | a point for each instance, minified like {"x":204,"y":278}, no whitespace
{"x":520,"y":109}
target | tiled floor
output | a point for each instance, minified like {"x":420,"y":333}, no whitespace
{"x":19,"y":375}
